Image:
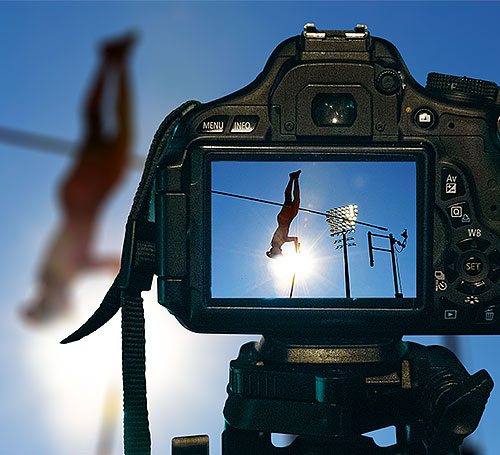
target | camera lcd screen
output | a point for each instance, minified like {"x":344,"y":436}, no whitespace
{"x":329,"y":229}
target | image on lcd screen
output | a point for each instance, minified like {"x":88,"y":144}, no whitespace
{"x":326,"y":229}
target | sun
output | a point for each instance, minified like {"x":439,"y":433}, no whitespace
{"x":290,"y":264}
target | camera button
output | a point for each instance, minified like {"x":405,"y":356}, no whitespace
{"x":473,"y":243}
{"x":459,"y":214}
{"x":425,"y":118}
{"x":214,"y":124}
{"x":244,"y":123}
{"x":452,"y":184}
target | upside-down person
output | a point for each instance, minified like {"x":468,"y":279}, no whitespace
{"x":288,"y":212}
{"x":99,"y":167}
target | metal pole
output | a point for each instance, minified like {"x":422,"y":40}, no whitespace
{"x":370,"y":249}
{"x":297,"y":251}
{"x":346,"y":268}
{"x":397,"y":294}
{"x":293,"y":284}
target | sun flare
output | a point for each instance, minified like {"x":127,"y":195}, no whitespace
{"x":283,"y":268}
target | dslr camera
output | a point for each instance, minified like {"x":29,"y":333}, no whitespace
{"x":379,"y":155}
{"x":333,"y":205}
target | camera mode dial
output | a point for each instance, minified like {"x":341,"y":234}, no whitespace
{"x":462,"y":88}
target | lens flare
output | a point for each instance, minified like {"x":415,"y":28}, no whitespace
{"x":283,"y":268}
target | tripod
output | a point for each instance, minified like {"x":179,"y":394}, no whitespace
{"x":330,"y":395}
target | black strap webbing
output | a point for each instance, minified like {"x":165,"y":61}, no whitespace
{"x":138,"y":266}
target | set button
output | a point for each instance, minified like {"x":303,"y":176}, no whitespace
{"x":472,"y":265}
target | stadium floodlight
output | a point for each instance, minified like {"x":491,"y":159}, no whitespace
{"x":342,"y":220}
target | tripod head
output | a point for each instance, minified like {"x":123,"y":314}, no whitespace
{"x":329,"y":395}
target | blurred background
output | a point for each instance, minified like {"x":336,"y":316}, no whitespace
{"x":66,"y":399}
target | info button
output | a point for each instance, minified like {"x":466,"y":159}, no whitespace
{"x":244,"y":123}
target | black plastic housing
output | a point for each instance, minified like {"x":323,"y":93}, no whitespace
{"x":459,"y":139}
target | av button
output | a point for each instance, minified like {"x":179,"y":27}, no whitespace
{"x":452,"y":184}
{"x":244,"y":123}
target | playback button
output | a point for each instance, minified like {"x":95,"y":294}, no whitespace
{"x":452,"y":184}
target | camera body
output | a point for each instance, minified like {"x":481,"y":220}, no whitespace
{"x":342,"y":107}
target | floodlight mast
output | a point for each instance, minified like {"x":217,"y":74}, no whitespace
{"x":342,"y":221}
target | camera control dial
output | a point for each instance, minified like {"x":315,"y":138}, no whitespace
{"x":461,"y":88}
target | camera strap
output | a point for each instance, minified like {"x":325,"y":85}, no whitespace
{"x":138,"y":266}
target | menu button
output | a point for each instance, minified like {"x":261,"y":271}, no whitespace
{"x":214,"y":124}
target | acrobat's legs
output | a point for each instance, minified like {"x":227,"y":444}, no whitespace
{"x":296,"y":192}
{"x":113,"y":60}
{"x":93,"y":103}
{"x":123,"y":102}
{"x":288,"y":192}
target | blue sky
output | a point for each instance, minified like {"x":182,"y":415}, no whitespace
{"x":51,"y":395}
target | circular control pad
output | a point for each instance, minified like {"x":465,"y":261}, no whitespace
{"x":473,"y":266}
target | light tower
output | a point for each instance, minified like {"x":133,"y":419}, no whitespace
{"x":342,"y":221}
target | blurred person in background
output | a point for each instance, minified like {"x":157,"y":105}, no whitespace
{"x":99,"y":166}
